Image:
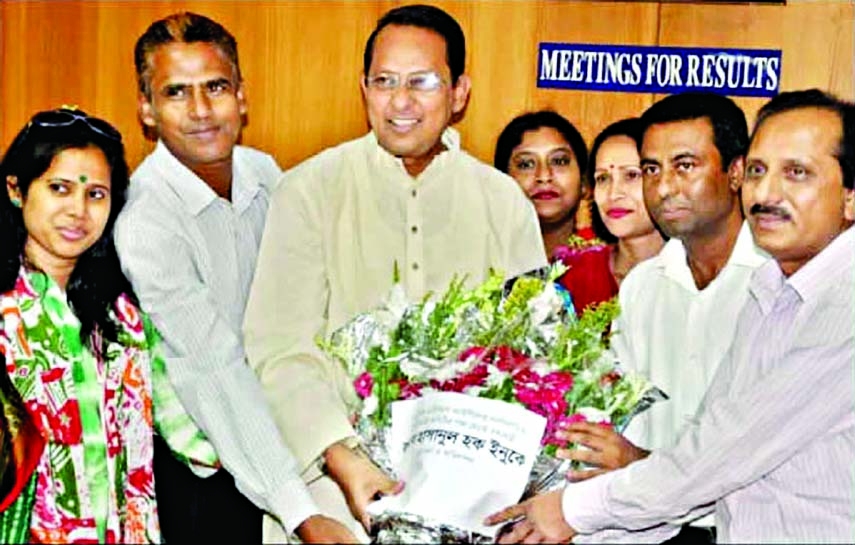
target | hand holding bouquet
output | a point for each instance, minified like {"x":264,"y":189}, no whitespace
{"x":518,"y":343}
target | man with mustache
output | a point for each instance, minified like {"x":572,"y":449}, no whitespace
{"x":773,"y":442}
{"x":188,"y":240}
{"x":679,"y":309}
{"x":403,"y":197}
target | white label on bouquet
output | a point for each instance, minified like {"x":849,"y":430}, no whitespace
{"x":461,"y":457}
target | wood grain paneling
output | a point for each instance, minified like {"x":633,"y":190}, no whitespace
{"x":816,"y":39}
{"x":301,"y":60}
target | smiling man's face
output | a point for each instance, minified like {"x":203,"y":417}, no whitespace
{"x":409,"y":123}
{"x":196,"y":102}
{"x":793,"y":195}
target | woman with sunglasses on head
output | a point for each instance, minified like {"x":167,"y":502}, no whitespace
{"x":79,"y":352}
{"x":618,"y":213}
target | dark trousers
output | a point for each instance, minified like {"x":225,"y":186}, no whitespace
{"x":196,"y":510}
{"x":692,"y":535}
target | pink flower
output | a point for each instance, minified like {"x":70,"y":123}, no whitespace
{"x":545,"y":395}
{"x":509,"y":360}
{"x":504,"y":357}
{"x":534,"y":389}
{"x":478,"y":352}
{"x":409,"y":390}
{"x":364,"y":384}
{"x":560,"y":380}
{"x":566,"y":421}
{"x":476,"y":377}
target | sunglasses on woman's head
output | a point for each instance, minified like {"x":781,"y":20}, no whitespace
{"x":65,"y":118}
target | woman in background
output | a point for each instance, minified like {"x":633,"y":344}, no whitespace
{"x":619,"y":219}
{"x":78,"y":351}
{"x":547,"y":157}
{"x":618,"y":214}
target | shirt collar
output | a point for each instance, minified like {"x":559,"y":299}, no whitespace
{"x":450,"y":138}
{"x":744,"y":254}
{"x":816,"y":277}
{"x":835,"y":260}
{"x":193,"y":191}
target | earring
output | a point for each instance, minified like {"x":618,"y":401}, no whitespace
{"x":16,"y":202}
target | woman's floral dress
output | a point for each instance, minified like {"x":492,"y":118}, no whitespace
{"x":94,"y":480}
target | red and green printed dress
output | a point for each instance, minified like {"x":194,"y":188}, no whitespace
{"x":94,"y":480}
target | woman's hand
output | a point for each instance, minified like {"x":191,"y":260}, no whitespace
{"x":361,"y":481}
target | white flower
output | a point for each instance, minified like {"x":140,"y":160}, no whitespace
{"x":541,"y":367}
{"x":474,"y":391}
{"x":495,"y":377}
{"x":427,"y":310}
{"x":394,"y":307}
{"x":369,"y":406}
{"x":451,"y":369}
{"x":594,"y":415}
{"x":422,"y":367}
{"x":545,"y":304}
{"x":427,"y":390}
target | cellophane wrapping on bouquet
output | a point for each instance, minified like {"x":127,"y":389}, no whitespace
{"x":462,"y":390}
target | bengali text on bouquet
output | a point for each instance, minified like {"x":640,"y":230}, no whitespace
{"x":461,"y":395}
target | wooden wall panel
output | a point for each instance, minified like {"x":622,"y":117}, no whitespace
{"x":503,"y":61}
{"x":301,"y":59}
{"x":816,"y":39}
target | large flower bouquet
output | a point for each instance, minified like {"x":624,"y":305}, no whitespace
{"x":517,"y":341}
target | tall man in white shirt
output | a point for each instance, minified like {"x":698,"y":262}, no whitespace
{"x":679,"y":309}
{"x":405,"y":194}
{"x":774,"y":440}
{"x":188,"y":240}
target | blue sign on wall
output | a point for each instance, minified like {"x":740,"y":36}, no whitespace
{"x":653,"y":69}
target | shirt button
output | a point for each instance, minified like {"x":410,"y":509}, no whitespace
{"x":415,"y":266}
{"x":414,"y":229}
{"x":413,"y":193}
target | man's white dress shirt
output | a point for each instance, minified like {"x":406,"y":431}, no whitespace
{"x":190,"y":256}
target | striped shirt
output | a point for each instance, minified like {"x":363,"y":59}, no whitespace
{"x":190,"y":256}
{"x":773,"y":442}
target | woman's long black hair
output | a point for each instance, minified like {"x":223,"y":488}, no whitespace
{"x":97,"y":279}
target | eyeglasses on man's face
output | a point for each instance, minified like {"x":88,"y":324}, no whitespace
{"x":421,"y":82}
